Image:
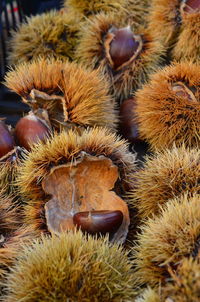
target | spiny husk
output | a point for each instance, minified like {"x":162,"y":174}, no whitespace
{"x":11,"y":230}
{"x":49,"y":34}
{"x":149,"y":295}
{"x":91,"y":52}
{"x":71,"y":268}
{"x":164,"y":117}
{"x":62,"y":149}
{"x":165,"y":175}
{"x":133,"y":11}
{"x":72,"y":95}
{"x":41,"y":74}
{"x":8,"y":170}
{"x":9,"y":218}
{"x":88,"y":7}
{"x":183,"y":51}
{"x":165,"y":20}
{"x":12,"y":245}
{"x":184,"y":284}
{"x":165,"y":240}
{"x":173,"y":27}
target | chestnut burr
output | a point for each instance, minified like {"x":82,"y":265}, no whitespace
{"x":128,"y":126}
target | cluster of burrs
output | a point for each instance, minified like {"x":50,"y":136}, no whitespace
{"x":81,"y":218}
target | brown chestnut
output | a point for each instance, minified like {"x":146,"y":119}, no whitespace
{"x":123,"y":46}
{"x":29,"y":130}
{"x":7,"y":142}
{"x":95,"y":222}
{"x":128,"y":127}
{"x":191,"y":6}
{"x":181,"y":90}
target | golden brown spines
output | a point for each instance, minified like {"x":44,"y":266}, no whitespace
{"x":167,"y":239}
{"x":67,"y":92}
{"x":164,"y":20}
{"x":182,"y":50}
{"x":41,"y":74}
{"x":8,"y":170}
{"x":71,"y":268}
{"x":87,"y":7}
{"x":165,"y":175}
{"x":184,"y":284}
{"x":93,"y":49}
{"x":9,"y":219}
{"x":136,"y":12}
{"x":174,"y":22}
{"x":12,"y":231}
{"x":133,"y":11}
{"x":12,"y":244}
{"x":149,"y":295}
{"x":50,"y":34}
{"x":87,"y":97}
{"x":64,"y":149}
{"x":168,"y":107}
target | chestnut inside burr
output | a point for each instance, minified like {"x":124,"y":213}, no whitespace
{"x":98,"y":222}
{"x":128,"y":126}
{"x":7,"y":142}
{"x":181,"y":90}
{"x":190,"y":6}
{"x":51,"y":108}
{"x":82,"y":187}
{"x":30,"y":130}
{"x":122,"y":46}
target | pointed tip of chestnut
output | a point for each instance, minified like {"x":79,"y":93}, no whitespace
{"x":128,"y":128}
{"x":29,"y":130}
{"x":7,"y":142}
{"x":124,"y":45}
{"x":98,"y":222}
{"x":191,"y":6}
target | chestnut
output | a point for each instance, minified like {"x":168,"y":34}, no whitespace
{"x":123,"y":46}
{"x":95,"y":222}
{"x":181,"y":90}
{"x":7,"y":142}
{"x":191,"y":6}
{"x":128,"y":127}
{"x":29,"y":130}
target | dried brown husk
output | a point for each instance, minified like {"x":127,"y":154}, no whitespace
{"x":66,"y":156}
